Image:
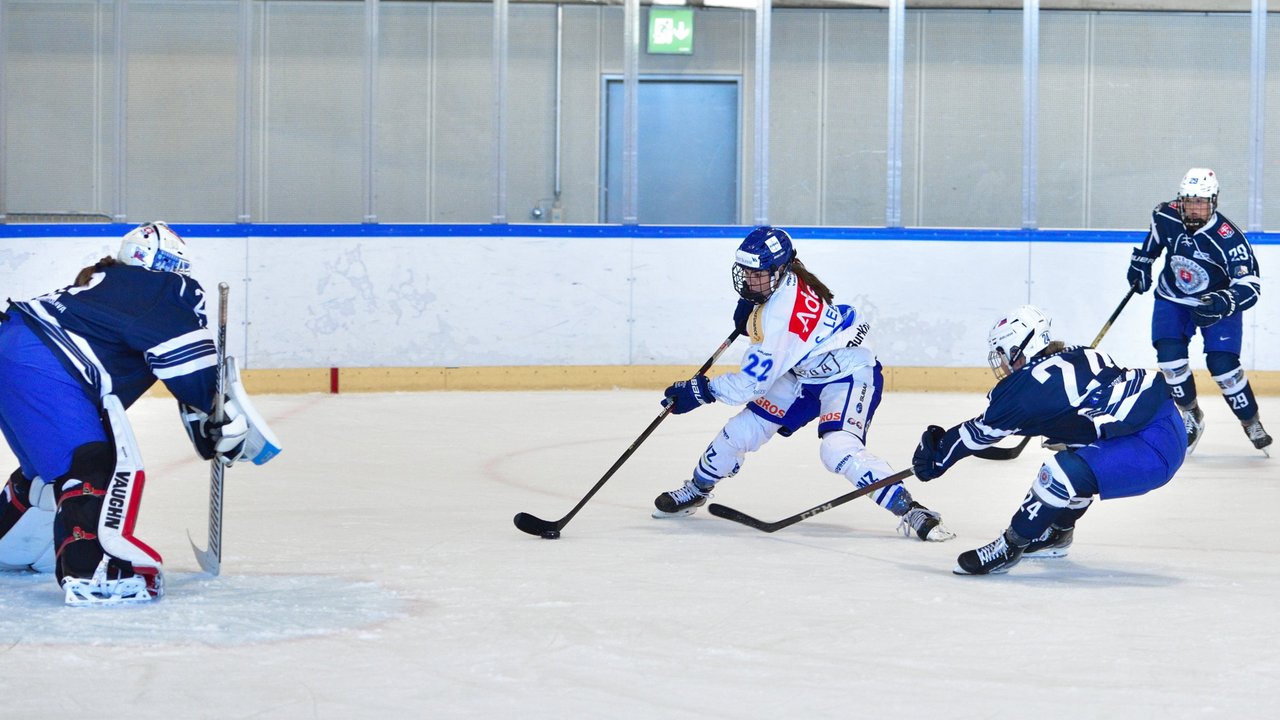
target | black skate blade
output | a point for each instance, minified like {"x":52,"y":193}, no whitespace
{"x":533,"y":525}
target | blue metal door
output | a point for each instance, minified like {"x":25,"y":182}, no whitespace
{"x":687,"y":151}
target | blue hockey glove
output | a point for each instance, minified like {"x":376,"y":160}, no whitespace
{"x":1213,"y":307}
{"x":741,"y":314}
{"x":926,"y":463}
{"x":1140,"y":272}
{"x":686,"y":395}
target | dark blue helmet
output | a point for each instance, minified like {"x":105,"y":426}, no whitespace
{"x":765,"y":256}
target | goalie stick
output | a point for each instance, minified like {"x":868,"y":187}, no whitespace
{"x":728,"y":513}
{"x":546,"y":528}
{"x":211,"y":559}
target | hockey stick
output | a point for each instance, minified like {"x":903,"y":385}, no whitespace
{"x":738,"y":516}
{"x":211,"y":560}
{"x":998,"y":453}
{"x":550,"y":530}
{"x":1113,"y":317}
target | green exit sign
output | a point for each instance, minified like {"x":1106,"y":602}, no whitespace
{"x":670,"y":31}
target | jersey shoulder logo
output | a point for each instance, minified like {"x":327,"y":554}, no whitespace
{"x":806,"y":312}
{"x":1225,"y":231}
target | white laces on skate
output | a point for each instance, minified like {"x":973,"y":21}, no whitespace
{"x":921,"y":518}
{"x":688,"y":492}
{"x":993,"y":551}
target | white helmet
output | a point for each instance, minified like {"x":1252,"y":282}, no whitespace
{"x":1022,"y":333}
{"x":155,"y":246}
{"x":1198,"y":183}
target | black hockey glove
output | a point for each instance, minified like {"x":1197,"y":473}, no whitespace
{"x":686,"y":395}
{"x":1213,"y":307}
{"x":1140,"y":272}
{"x":927,"y":461}
{"x":741,"y":314}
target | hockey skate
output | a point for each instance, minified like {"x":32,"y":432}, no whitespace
{"x":993,"y":558}
{"x":684,"y":500}
{"x":924,"y":523}
{"x":1194,"y":420}
{"x":1257,"y":434}
{"x":99,"y":591}
{"x":1053,"y":543}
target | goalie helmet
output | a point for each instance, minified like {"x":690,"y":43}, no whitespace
{"x":155,"y":246}
{"x":1197,"y":184}
{"x":763,"y":259}
{"x":1024,"y":333}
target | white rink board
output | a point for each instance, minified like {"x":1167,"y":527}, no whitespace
{"x":301,"y":302}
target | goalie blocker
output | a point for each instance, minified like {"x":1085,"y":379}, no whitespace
{"x":244,"y":435}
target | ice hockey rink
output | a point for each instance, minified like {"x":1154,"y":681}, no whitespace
{"x":373,"y":571}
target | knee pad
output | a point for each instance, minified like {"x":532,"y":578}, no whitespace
{"x":1175,"y":372}
{"x":745,"y":432}
{"x":1064,"y":482}
{"x":26,"y":524}
{"x":1170,"y":350}
{"x":844,"y":454}
{"x":1226,"y":371}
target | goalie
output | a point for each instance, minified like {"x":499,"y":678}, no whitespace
{"x":71,"y":361}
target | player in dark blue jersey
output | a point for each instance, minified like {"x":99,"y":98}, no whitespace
{"x":1122,"y":432}
{"x":70,"y":362}
{"x":1210,"y":278}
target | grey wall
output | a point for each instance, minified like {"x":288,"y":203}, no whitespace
{"x":1128,"y":101}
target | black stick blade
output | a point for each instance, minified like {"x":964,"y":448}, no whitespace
{"x":999,"y":453}
{"x":533,"y":525}
{"x":728,"y":513}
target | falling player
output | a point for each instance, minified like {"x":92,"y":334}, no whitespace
{"x":1210,"y":278}
{"x":807,"y":360}
{"x":71,"y":361}
{"x":1122,"y":432}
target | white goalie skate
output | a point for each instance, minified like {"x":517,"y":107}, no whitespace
{"x":100,"y":592}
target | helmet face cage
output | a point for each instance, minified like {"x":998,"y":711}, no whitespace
{"x":1021,"y":334}
{"x":154,"y":246}
{"x":1202,"y":184}
{"x":742,"y":283}
{"x":768,"y":250}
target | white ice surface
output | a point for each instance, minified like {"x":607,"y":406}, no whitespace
{"x":373,"y":571}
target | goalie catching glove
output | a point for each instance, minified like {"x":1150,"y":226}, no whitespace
{"x":243,"y":434}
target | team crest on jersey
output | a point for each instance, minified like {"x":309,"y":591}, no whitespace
{"x":1241,"y":271}
{"x":1188,"y":275}
{"x":1225,"y":231}
{"x":806,"y":312}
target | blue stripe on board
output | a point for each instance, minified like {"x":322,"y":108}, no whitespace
{"x":1130,"y":237}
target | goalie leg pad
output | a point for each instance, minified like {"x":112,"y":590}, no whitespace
{"x":98,"y":500}
{"x":26,"y":524}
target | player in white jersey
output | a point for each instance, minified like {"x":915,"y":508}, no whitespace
{"x":807,"y":360}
